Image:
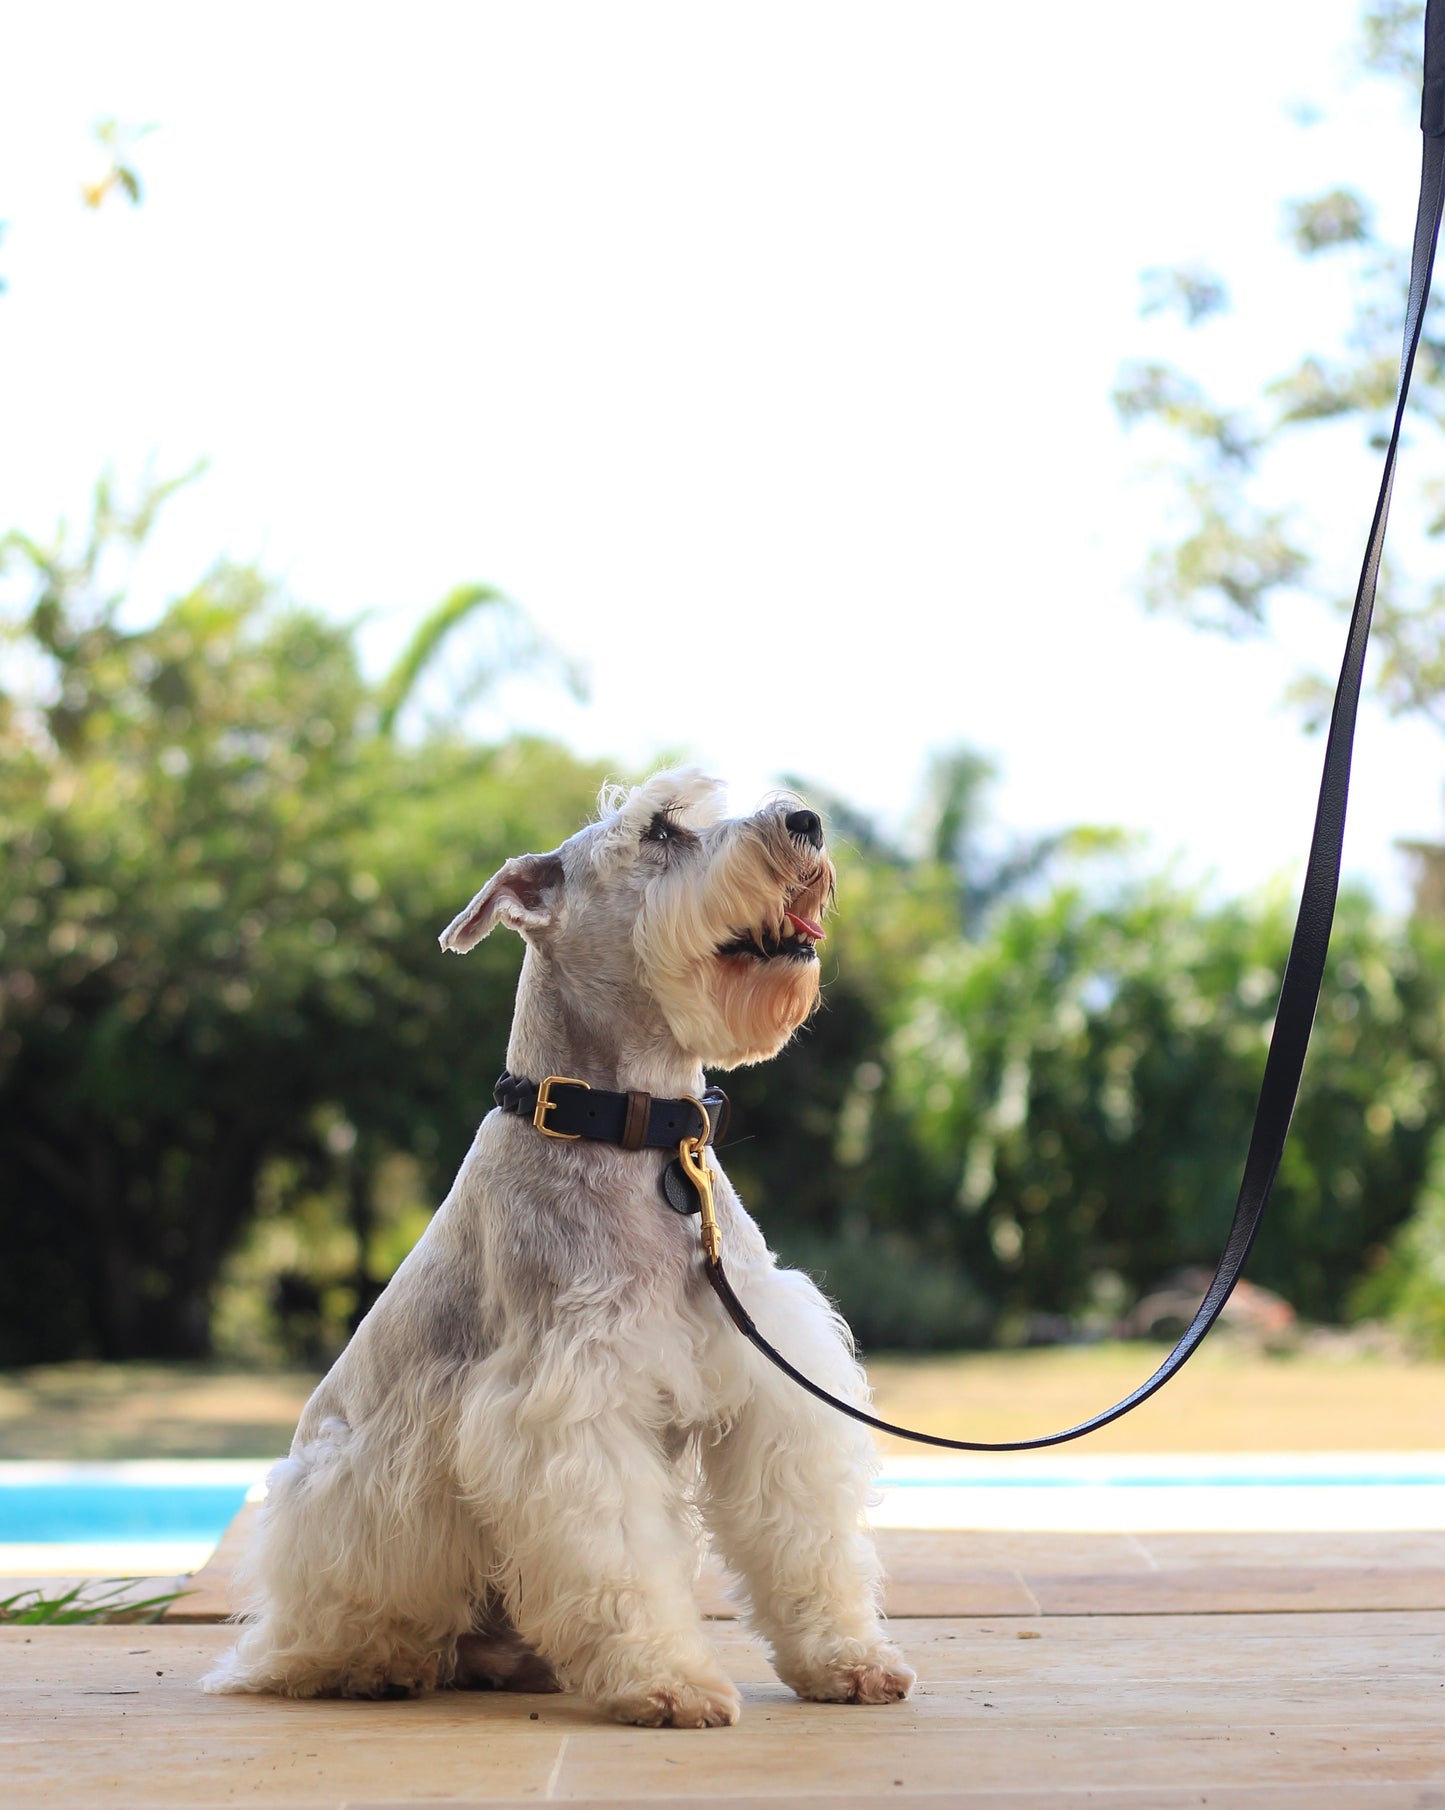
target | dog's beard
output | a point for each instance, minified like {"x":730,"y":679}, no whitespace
{"x":728,"y":953}
{"x":761,"y":1004}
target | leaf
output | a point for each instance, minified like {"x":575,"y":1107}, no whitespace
{"x":86,"y":1603}
{"x":1326,"y":222}
{"x":1190,"y":291}
{"x":426,"y":642}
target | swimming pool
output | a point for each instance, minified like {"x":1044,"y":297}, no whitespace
{"x":1159,"y":1493}
{"x":157,"y":1518}
{"x":144,"y":1518}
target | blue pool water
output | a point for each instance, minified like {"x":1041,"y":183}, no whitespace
{"x":171,"y":1514}
{"x":162,"y":1503}
{"x":44,"y":1512}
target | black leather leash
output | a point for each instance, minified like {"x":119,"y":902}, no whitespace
{"x":1304,"y":972}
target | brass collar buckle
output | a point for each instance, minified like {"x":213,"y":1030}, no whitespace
{"x":546,"y":1104}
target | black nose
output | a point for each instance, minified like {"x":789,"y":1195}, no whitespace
{"x":807,"y":824}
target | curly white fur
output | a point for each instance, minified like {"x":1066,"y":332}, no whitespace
{"x":506,"y":1478}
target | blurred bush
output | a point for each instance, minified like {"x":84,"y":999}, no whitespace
{"x":1404,"y":1281}
{"x":1082,"y":1083}
{"x":222,"y":992}
{"x":236,"y":1075}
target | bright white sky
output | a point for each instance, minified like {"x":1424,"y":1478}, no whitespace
{"x":762,"y":351}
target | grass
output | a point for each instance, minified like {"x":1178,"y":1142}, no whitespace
{"x":106,"y":1600}
{"x":143,"y":1410}
{"x":1229,"y":1398}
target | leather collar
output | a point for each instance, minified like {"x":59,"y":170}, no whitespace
{"x":561,"y":1107}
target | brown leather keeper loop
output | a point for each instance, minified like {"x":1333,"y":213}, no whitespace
{"x":634,"y":1126}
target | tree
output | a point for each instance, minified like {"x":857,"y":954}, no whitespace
{"x":1239,"y":553}
{"x":838,"y":1177}
{"x":219,"y":902}
{"x":1081,"y":1085}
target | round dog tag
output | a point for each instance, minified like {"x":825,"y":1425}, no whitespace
{"x":677,"y":1190}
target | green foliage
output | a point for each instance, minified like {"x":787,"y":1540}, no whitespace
{"x":219,"y":906}
{"x":434,"y":628}
{"x":1405,"y":1283}
{"x":1221,"y":574}
{"x":1160,"y":392}
{"x":516,"y":647}
{"x":236,"y":1073}
{"x":1328,"y":221}
{"x":818,"y":1149}
{"x":1237,"y":553}
{"x":896,"y":1293}
{"x":1082,"y":1082}
{"x":108,"y":1601}
{"x":1391,"y":39}
{"x":118,"y":174}
{"x":1190,"y":291}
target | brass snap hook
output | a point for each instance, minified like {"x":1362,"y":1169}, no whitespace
{"x":691,"y":1154}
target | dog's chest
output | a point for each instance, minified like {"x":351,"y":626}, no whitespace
{"x":555,"y":1218}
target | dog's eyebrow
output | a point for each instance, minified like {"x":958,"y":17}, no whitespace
{"x":677,"y":831}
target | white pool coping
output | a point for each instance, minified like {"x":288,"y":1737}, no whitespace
{"x":1304,"y":1492}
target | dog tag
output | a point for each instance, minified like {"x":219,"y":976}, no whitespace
{"x":677,"y":1190}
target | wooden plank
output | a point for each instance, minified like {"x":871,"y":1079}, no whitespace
{"x":1001,"y":1573}
{"x":1376,"y":1795}
{"x":1238,"y":1589}
{"x":1109,"y":1762}
{"x":209,"y":1592}
{"x":113,"y":1716}
{"x":1062,"y":1550}
{"x":1337,"y":1710}
{"x":1419,"y":1549}
{"x":928,"y":1573}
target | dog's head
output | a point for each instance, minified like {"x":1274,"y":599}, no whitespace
{"x":714,"y":918}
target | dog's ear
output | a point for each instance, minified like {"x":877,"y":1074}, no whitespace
{"x":525,"y":894}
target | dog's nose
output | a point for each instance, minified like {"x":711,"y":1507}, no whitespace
{"x":807,"y":824}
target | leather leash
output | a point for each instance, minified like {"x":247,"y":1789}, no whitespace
{"x":1304,"y":971}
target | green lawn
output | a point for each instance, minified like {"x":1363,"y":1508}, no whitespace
{"x":1228,"y":1399}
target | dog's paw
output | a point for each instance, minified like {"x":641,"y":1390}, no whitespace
{"x":383,"y":1686}
{"x":710,"y":1703}
{"x":878,"y":1676}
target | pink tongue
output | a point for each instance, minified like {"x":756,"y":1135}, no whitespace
{"x":806,"y":925}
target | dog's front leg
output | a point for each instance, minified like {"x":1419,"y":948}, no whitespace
{"x":596,"y":1547}
{"x":786,"y":1483}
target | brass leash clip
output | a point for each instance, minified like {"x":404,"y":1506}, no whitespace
{"x":691,"y":1154}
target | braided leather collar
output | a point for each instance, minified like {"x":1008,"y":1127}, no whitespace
{"x":561,"y":1107}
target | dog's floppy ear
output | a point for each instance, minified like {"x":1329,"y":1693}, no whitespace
{"x":524,"y":893}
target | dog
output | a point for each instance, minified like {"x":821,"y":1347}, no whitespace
{"x":507,"y":1478}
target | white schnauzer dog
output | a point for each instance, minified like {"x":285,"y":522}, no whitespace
{"x":505,"y":1479}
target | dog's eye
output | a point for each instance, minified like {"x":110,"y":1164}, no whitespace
{"x":666,"y":832}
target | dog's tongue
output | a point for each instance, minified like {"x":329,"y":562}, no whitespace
{"x":805,"y":925}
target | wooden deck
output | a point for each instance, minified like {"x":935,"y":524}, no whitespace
{"x":1151,"y":1671}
